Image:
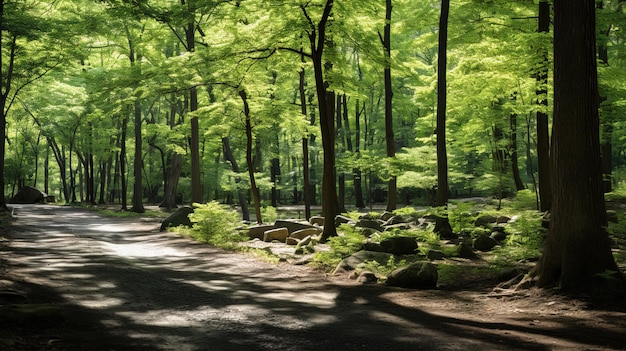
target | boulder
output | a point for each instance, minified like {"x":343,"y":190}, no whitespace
{"x":367,"y":277}
{"x":339,"y":220}
{"x":395,"y":220}
{"x":370,"y":246}
{"x":485,"y":220}
{"x":465,"y":251}
{"x":258,"y":230}
{"x":399,"y":245}
{"x":293,"y":225}
{"x":292,"y":241}
{"x":498,"y":235}
{"x":397,"y":226}
{"x":278,"y":234}
{"x":386,"y":216}
{"x":28,"y":195}
{"x":485,"y":243}
{"x":178,"y":217}
{"x":369,"y":223}
{"x":503,"y":219}
{"x":417,"y":275}
{"x":435,"y":255}
{"x":303,"y":233}
{"x":317,"y":220}
{"x":350,"y":263}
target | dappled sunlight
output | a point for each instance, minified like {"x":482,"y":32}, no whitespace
{"x":161,"y":291}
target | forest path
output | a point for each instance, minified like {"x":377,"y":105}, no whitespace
{"x":120,"y":284}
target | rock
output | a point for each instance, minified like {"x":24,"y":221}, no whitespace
{"x":304,"y":260}
{"x":339,"y":220}
{"x":503,"y":219}
{"x":317,"y":220}
{"x":485,"y":220}
{"x":293,"y":225}
{"x":367,"y":277}
{"x":178,"y":217}
{"x":367,"y":232}
{"x":398,"y":226}
{"x":28,"y":195}
{"x":444,"y":229}
{"x":258,"y":230}
{"x":292,"y":241}
{"x":386,"y":216}
{"x":417,"y":275}
{"x":394,"y":220}
{"x":303,"y":233}
{"x":370,"y":246}
{"x":435,"y":255}
{"x":352,"y":262}
{"x":465,"y":251}
{"x":485,"y":243}
{"x":369,"y":223}
{"x":399,"y":245}
{"x":278,"y":234}
{"x":498,"y":235}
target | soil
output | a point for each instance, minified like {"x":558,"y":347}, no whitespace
{"x":74,"y":280}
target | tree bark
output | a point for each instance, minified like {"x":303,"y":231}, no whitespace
{"x":137,"y":205}
{"x":392,"y":192}
{"x":442,"y":155}
{"x":325,"y":100}
{"x":543,"y":133}
{"x":228,"y":155}
{"x":519,"y":185}
{"x":577,"y":252}
{"x":306,"y":186}
{"x":249,"y":159}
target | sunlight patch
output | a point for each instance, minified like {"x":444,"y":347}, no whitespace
{"x":143,"y":250}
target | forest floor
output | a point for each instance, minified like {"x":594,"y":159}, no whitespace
{"x":71,"y":279}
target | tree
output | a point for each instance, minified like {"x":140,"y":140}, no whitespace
{"x":543,"y":138}
{"x":577,"y":252}
{"x":441,"y":198}
{"x":392,"y":196}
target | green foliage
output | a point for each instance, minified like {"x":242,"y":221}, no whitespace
{"x":216,"y":225}
{"x":524,"y":241}
{"x":461,"y":215}
{"x":349,"y":241}
{"x":383,"y":269}
{"x":524,"y":200}
{"x":269,"y":214}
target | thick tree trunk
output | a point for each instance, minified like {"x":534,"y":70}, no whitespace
{"x":606,"y":151}
{"x":194,"y":141}
{"x":341,"y":149}
{"x":543,"y":137}
{"x":577,"y":253}
{"x":325,"y":99}
{"x":173,"y":175}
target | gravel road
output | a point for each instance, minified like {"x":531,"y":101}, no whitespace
{"x":120,"y":284}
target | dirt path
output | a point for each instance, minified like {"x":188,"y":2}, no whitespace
{"x":99,"y":283}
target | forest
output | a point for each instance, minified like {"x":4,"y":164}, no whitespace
{"x":340,"y":104}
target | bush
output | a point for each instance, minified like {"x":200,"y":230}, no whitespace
{"x":216,"y":225}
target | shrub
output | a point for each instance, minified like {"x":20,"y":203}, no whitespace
{"x":216,"y":225}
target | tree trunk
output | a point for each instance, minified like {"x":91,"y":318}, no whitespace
{"x":577,"y":252}
{"x":356,"y":172}
{"x":519,"y":185}
{"x":317,"y":39}
{"x":194,"y":141}
{"x":442,"y":224}
{"x":543,"y":133}
{"x":249,"y":160}
{"x":137,"y":164}
{"x":306,"y":186}
{"x":392,"y":192}
{"x":122,"y":162}
{"x":341,"y":149}
{"x":228,"y":155}
{"x":606,"y":151}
